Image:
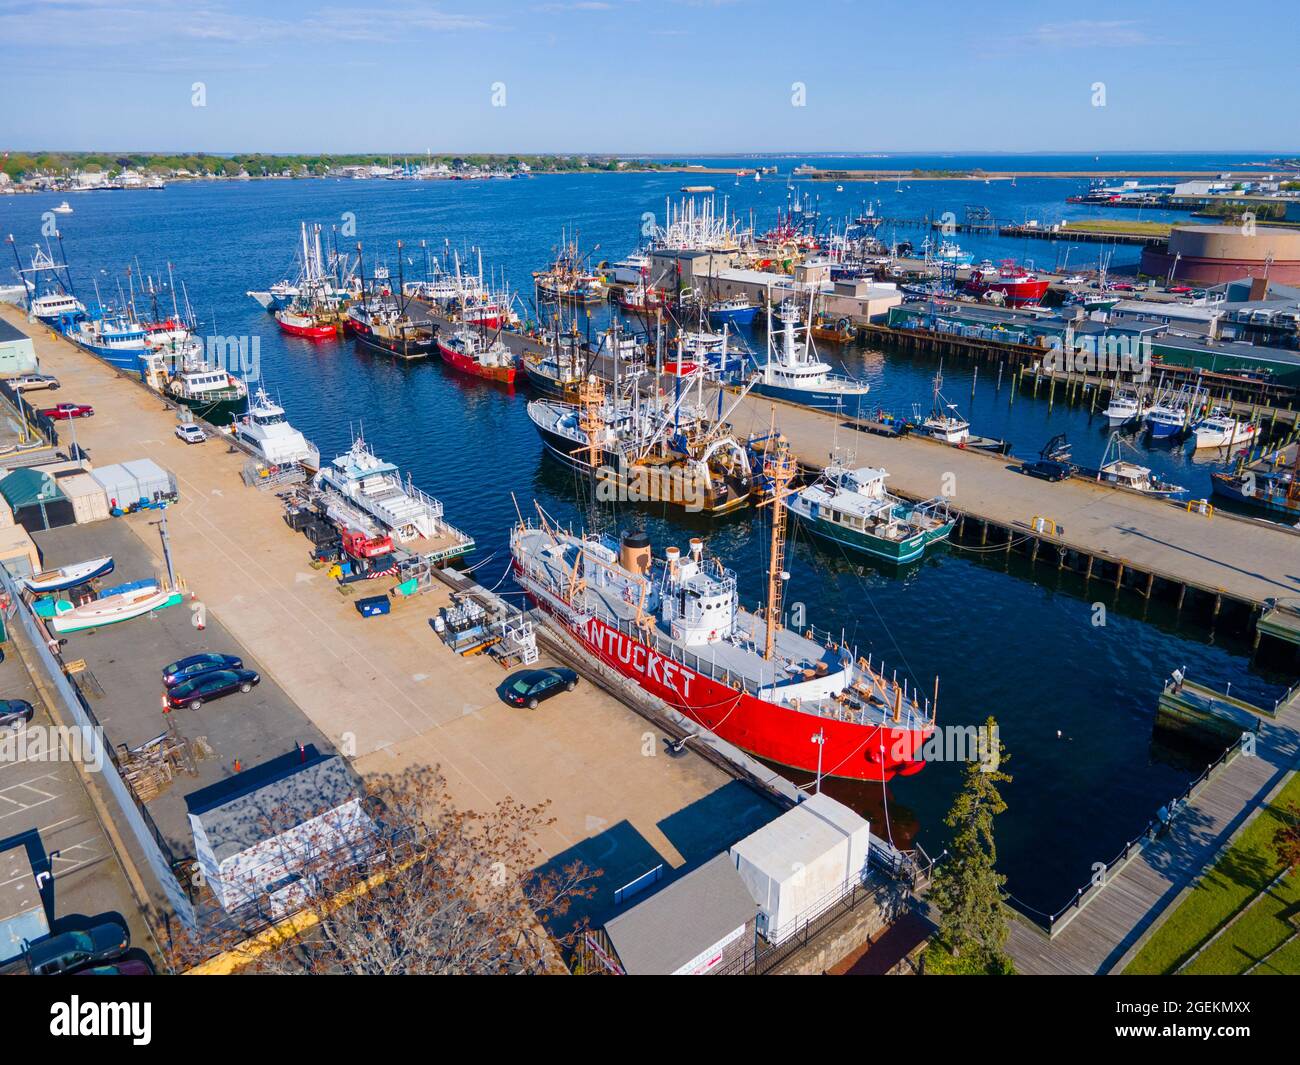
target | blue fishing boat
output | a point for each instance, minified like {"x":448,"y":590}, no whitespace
{"x":793,"y":372}
{"x":115,"y":337}
{"x":733,"y":311}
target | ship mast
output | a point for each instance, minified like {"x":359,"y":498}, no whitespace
{"x":779,"y":468}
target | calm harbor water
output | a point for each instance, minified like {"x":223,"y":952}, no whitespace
{"x":1075,"y":701}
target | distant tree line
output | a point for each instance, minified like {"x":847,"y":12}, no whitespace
{"x":24,"y":164}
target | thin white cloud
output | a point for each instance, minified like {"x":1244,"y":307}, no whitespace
{"x":1087,"y":33}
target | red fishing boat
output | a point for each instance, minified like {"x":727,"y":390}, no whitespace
{"x":673,"y":626}
{"x":476,"y":353}
{"x":1012,"y":284}
{"x":304,"y":325}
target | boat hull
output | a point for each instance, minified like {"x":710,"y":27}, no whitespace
{"x":61,"y":580}
{"x":847,"y":404}
{"x":98,"y":613}
{"x":771,"y":731}
{"x":502,"y":375}
{"x":739,"y":316}
{"x":898,"y":551}
{"x":308,"y":332}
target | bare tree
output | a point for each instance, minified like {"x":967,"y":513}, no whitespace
{"x":431,"y":890}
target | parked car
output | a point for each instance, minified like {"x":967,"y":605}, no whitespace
{"x":71,"y":950}
{"x":125,"y":967}
{"x":533,"y":685}
{"x":30,"y":382}
{"x":191,"y":433}
{"x":15,"y":713}
{"x":67,"y":411}
{"x":1047,"y":469}
{"x":1179,"y":290}
{"x":191,"y":667}
{"x":194,"y":693}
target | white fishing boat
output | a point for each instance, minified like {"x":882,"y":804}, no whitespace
{"x":266,"y":430}
{"x":793,"y":371}
{"x":1221,"y":429}
{"x":119,"y":604}
{"x":64,"y":208}
{"x":65,"y":577}
{"x":1125,"y":407}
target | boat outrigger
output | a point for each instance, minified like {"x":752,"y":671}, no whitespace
{"x":673,"y":625}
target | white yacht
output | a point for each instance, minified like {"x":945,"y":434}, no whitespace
{"x":794,"y":372}
{"x":366,"y":483}
{"x":267,"y":431}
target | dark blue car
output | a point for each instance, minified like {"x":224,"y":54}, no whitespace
{"x":189,"y":668}
{"x":211,"y":685}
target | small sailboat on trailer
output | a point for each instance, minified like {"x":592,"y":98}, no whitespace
{"x":121,"y":603}
{"x":65,"y":577}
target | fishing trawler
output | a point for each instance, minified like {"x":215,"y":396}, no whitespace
{"x":474,"y":352}
{"x":733,"y":311}
{"x":1166,"y":420}
{"x":265,"y":430}
{"x":648,"y":449}
{"x":320,"y":278}
{"x":945,"y":424}
{"x":673,"y":625}
{"x":114,"y":336}
{"x":1274,"y":487}
{"x":559,"y":371}
{"x":853,"y":508}
{"x":301,"y":322}
{"x":47,"y":285}
{"x":566,"y":280}
{"x":793,"y":372}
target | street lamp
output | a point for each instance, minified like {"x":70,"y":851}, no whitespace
{"x":819,"y":738}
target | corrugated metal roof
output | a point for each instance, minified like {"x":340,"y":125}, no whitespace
{"x":660,"y":935}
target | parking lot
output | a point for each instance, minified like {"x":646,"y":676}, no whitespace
{"x":122,"y":679}
{"x":45,"y":811}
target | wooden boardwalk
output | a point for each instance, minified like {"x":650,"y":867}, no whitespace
{"x":1105,"y":932}
{"x":1243,"y":559}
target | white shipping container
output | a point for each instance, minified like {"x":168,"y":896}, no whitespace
{"x":88,"y":498}
{"x":800,"y":864}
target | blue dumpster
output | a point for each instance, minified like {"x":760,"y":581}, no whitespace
{"x":372,"y":605}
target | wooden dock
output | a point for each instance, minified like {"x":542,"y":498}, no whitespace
{"x":1111,"y":922}
{"x":1218,"y":564}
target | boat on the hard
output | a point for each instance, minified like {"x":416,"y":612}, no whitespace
{"x":266,"y":431}
{"x":121,"y":603}
{"x":1006,"y":283}
{"x":66,"y":577}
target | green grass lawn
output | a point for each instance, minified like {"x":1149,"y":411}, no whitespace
{"x":1119,"y":225}
{"x":1240,"y":873}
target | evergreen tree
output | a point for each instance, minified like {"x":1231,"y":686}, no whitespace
{"x":967,"y":888}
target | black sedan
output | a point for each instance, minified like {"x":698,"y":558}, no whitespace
{"x":189,"y":668}
{"x":194,"y":693}
{"x":15,"y":713}
{"x":71,"y":950}
{"x":533,"y":685}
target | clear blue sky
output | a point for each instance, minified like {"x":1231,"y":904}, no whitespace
{"x":675,"y":76}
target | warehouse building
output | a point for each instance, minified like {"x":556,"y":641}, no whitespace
{"x":17,"y":355}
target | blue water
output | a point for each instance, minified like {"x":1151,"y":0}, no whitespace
{"x":1026,"y":652}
